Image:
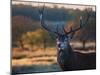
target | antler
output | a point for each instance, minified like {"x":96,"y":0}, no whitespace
{"x":44,"y":25}
{"x":42,"y":10}
{"x":73,"y":30}
{"x":81,"y":25}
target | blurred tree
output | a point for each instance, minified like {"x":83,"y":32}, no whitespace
{"x":36,"y":38}
{"x":20,"y":25}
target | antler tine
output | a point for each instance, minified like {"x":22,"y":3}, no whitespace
{"x":64,"y":29}
{"x":43,"y":6}
{"x":86,"y":18}
{"x":72,"y":33}
{"x":67,"y":32}
{"x":41,"y":11}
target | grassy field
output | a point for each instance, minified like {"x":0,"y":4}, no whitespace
{"x":26,"y":57}
{"x":35,"y":69}
{"x":40,"y":60}
{"x":37,"y":61}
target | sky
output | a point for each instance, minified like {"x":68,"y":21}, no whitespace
{"x":81,"y":7}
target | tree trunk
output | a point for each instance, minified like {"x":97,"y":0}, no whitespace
{"x":21,"y":44}
{"x":84,"y":42}
{"x":44,"y":44}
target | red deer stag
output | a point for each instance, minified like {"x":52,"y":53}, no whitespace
{"x":67,"y":58}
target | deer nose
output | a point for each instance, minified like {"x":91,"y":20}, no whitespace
{"x":62,"y":46}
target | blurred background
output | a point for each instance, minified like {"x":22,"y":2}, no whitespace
{"x":34,"y":48}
